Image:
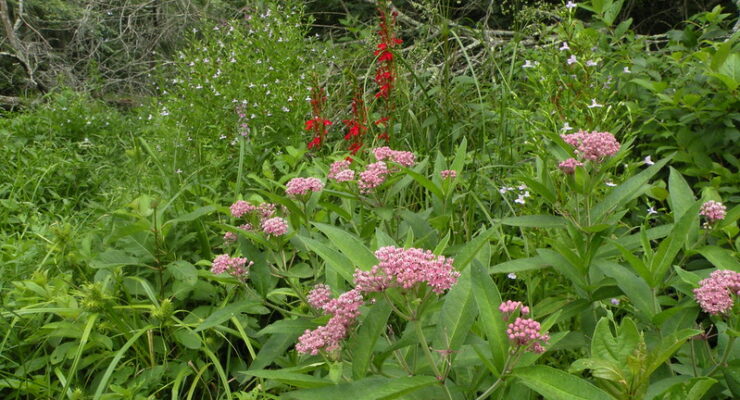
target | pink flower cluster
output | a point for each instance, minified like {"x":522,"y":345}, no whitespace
{"x":713,"y":211}
{"x":405,"y":268}
{"x":448,"y":174}
{"x":715,"y":294}
{"x":301,"y":186}
{"x":344,"y":311}
{"x":240,"y":208}
{"x":593,"y":146}
{"x":508,"y":307}
{"x":523,"y":332}
{"x":236,"y":266}
{"x":373,"y":176}
{"x":275,"y":226}
{"x":405,"y":158}
{"x":340,"y":172}
{"x":569,"y":166}
{"x":264,"y":213}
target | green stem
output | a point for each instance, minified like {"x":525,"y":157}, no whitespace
{"x":724,"y":356}
{"x":425,"y":347}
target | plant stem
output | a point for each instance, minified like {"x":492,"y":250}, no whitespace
{"x":726,"y":354}
{"x":425,"y":347}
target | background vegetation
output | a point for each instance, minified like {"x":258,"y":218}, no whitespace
{"x":130,"y":127}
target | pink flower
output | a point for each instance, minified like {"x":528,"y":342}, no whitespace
{"x":344,"y":311}
{"x":526,"y":333}
{"x":713,"y":211}
{"x":266,"y":210}
{"x":508,"y":307}
{"x":240,"y":208}
{"x":229,"y":237}
{"x":569,"y":166}
{"x":593,"y":146}
{"x":236,"y":266}
{"x":275,"y":226}
{"x":405,"y":158}
{"x":301,"y":186}
{"x":715,"y":293}
{"x":340,"y":172}
{"x":405,"y":268}
{"x":448,"y":174}
{"x":319,"y":296}
{"x":246,"y":227}
{"x":373,"y":176}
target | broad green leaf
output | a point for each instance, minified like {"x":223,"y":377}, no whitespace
{"x":289,"y":326}
{"x":471,"y":249}
{"x":425,"y":182}
{"x":291,"y":378}
{"x":363,"y":343}
{"x":625,"y":192}
{"x":457,"y":315}
{"x":536,"y":221}
{"x":720,"y":258}
{"x":667,"y":347}
{"x":671,"y":245}
{"x":349,"y":245}
{"x":273,"y":348}
{"x":373,"y":388}
{"x":191,"y":216}
{"x":561,"y":265}
{"x":518,"y":265}
{"x":681,"y":196}
{"x":333,"y":259}
{"x":616,"y":349}
{"x":224,"y":314}
{"x":635,"y":287}
{"x":488,"y":299}
{"x":554,"y":384}
{"x":117,"y":258}
{"x":459,"y":162}
{"x":599,"y":368}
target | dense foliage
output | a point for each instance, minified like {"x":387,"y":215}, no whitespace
{"x":413,"y":209}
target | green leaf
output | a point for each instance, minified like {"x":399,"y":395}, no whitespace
{"x":667,"y":347}
{"x":554,"y":384}
{"x":333,"y":259}
{"x":363,"y":343}
{"x":681,"y":196}
{"x":373,"y":388}
{"x":635,"y":287}
{"x":349,"y":245}
{"x":117,"y":258}
{"x":466,"y":255}
{"x":425,"y":182}
{"x":615,"y":349}
{"x":720,"y":258}
{"x":459,"y":162}
{"x":290,"y":378}
{"x":671,"y":245}
{"x":536,"y":221}
{"x":191,"y":216}
{"x":518,"y":265}
{"x":220,"y":316}
{"x":628,"y":190}
{"x":114,"y":363}
{"x":457,"y":315}
{"x":488,"y":299}
{"x":290,"y":326}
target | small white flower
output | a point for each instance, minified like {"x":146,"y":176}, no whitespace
{"x":511,"y":275}
{"x":627,"y":70}
{"x":566,"y":127}
{"x":222,"y":137}
{"x":591,"y":63}
{"x":523,"y":187}
{"x":610,"y":184}
{"x":570,"y":5}
{"x":614,"y":301}
{"x":564,"y":46}
{"x":285,"y":109}
{"x":651,"y":210}
{"x":594,"y":104}
{"x":179,"y":171}
{"x":572,"y":60}
{"x":648,"y":161}
{"x":528,"y":64}
{"x":520,"y":200}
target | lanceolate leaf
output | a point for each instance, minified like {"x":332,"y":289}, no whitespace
{"x":488,"y":299}
{"x":457,"y":315}
{"x":349,"y":245}
{"x":554,"y":384}
{"x":363,"y":343}
{"x":671,"y":245}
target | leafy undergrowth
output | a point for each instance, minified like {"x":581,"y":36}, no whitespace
{"x":386,"y":216}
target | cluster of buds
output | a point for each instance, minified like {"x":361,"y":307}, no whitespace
{"x":236,"y":266}
{"x":524,"y":333}
{"x":589,"y":146}
{"x":301,"y":186}
{"x":713,"y":211}
{"x":716,"y":294}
